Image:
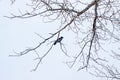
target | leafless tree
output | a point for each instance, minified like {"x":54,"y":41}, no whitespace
{"x":103,"y":26}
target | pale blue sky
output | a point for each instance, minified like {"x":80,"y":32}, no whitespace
{"x":18,"y":34}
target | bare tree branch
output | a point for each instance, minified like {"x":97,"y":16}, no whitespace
{"x":94,"y":30}
{"x":96,"y":24}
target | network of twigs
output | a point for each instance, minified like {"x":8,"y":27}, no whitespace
{"x":99,"y":13}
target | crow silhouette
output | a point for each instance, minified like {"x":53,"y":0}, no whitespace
{"x":58,"y":40}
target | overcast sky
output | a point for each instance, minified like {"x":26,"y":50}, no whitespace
{"x":17,"y":35}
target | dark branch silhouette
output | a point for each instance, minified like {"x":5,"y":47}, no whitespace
{"x":96,"y":24}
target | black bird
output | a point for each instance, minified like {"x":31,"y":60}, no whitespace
{"x":58,"y":40}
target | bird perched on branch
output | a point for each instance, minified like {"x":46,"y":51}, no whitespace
{"x":58,"y":40}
